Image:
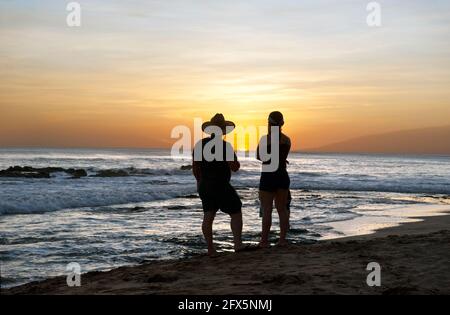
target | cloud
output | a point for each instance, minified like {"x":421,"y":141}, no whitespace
{"x":185,"y":57}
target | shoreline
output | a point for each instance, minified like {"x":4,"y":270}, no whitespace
{"x":423,"y":225}
{"x":398,"y":221}
{"x":413,"y":256}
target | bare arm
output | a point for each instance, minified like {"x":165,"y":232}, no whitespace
{"x":196,"y":170}
{"x":196,"y":165}
{"x":285,"y":147}
{"x":234,"y":165}
{"x":257,"y":153}
{"x":258,"y":156}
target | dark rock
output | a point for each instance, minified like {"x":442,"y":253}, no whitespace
{"x":177,"y":207}
{"x":51,"y":169}
{"x":192,"y":196}
{"x":26,"y":172}
{"x":76,"y":173}
{"x":20,"y":169}
{"x":111,"y":173}
{"x":36,"y":172}
{"x":186,"y":167}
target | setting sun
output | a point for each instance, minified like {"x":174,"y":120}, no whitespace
{"x":128,"y":83}
{"x":224,"y":152}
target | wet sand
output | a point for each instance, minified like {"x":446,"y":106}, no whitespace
{"x":414,"y":257}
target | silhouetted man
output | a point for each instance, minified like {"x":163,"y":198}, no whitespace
{"x":213,"y":161}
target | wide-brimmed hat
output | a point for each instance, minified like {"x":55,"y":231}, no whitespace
{"x":219,"y":121}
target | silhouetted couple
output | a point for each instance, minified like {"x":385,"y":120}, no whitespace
{"x":213,"y":161}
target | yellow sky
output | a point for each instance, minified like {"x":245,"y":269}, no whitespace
{"x":133,"y":71}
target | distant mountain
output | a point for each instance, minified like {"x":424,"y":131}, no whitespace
{"x":418,"y":141}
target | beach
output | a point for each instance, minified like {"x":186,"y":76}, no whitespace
{"x":334,"y":117}
{"x":414,"y":259}
{"x":105,"y":209}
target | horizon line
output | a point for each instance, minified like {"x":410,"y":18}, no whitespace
{"x":306,"y":151}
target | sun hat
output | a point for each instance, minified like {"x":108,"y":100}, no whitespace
{"x":219,"y":121}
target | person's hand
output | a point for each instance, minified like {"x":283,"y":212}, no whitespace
{"x":234,"y":165}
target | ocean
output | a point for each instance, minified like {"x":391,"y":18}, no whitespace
{"x":154,"y":213}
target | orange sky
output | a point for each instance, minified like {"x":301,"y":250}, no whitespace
{"x":127,"y":76}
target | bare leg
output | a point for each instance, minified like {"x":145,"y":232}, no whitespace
{"x":236,"y":228}
{"x":208,"y":220}
{"x":281,"y":198}
{"x":289,"y":199}
{"x":266,"y":199}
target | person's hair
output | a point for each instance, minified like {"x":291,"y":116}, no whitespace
{"x":276,"y":119}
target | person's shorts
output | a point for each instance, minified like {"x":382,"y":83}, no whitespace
{"x":221,"y":196}
{"x":272,"y":181}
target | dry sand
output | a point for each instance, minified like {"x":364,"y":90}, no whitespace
{"x":414,"y":257}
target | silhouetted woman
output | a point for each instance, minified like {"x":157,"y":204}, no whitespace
{"x":274,"y":186}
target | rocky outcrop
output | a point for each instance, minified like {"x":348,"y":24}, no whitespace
{"x":111,"y":173}
{"x":40,"y":172}
{"x":26,"y":171}
{"x":76,"y":173}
